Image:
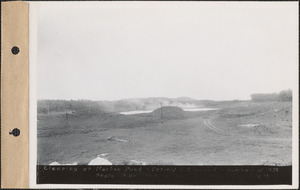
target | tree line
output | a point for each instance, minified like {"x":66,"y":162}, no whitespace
{"x":283,"y":96}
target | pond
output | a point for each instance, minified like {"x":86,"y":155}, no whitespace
{"x":135,"y":112}
{"x":185,"y":109}
{"x":199,"y":109}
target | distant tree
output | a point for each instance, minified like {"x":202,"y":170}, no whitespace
{"x":286,"y":96}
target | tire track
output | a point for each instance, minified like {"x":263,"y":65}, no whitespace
{"x":214,"y":128}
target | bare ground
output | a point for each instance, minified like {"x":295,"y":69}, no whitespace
{"x":220,"y":137}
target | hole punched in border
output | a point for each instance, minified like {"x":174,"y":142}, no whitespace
{"x":15,"y":50}
{"x":15,"y":132}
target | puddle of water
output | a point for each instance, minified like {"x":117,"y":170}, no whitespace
{"x":136,"y":112}
{"x":249,"y":125}
{"x":117,"y":139}
{"x":122,"y":140}
{"x":200,"y":109}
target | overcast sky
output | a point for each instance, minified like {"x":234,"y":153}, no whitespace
{"x":116,"y":50}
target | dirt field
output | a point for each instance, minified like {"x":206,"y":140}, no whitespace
{"x":241,"y":133}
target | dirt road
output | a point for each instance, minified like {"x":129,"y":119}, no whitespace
{"x":214,"y":128}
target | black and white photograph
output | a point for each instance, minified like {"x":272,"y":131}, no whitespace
{"x":147,"y":84}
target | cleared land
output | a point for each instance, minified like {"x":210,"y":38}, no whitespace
{"x":239,"y":133}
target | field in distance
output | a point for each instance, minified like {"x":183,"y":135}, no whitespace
{"x":237,"y":133}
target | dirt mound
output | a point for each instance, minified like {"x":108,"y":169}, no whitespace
{"x":169,"y":112}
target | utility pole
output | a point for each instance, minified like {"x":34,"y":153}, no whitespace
{"x":67,"y":115}
{"x":161,"y":113}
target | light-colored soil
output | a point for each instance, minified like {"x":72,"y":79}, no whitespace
{"x":215,"y":137}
